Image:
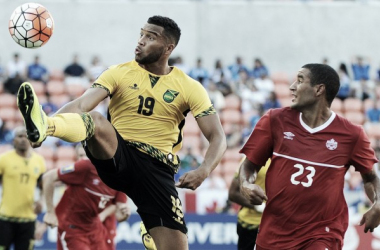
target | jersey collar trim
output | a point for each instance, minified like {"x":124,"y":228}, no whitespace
{"x":319,"y":128}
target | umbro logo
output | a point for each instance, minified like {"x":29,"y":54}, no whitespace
{"x":95,"y":181}
{"x":289,"y":135}
{"x":134,"y":86}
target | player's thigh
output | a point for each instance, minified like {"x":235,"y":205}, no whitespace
{"x":104,"y":143}
{"x":25,"y":236}
{"x":77,"y":241}
{"x":323,"y":244}
{"x":166,"y":238}
{"x":7,"y":234}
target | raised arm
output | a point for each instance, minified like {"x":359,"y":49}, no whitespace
{"x":247,"y":177}
{"x":212,"y":129}
{"x":48,"y":180}
{"x":371,"y":219}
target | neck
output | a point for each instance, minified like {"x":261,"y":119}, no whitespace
{"x":23,"y":153}
{"x":315,"y":118}
{"x":157,"y":68}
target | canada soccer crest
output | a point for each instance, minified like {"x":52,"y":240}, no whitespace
{"x":331,"y":144}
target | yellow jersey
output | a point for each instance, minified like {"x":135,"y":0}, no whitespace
{"x":246,"y":216}
{"x":150,"y":109}
{"x":19,"y":181}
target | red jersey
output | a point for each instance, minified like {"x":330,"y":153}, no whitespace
{"x":84,"y":198}
{"x":305,"y":180}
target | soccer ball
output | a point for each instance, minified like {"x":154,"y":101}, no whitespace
{"x":31,"y":25}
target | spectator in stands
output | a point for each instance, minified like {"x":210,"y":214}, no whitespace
{"x":373,"y":113}
{"x":6,"y":135}
{"x":345,"y":90}
{"x":75,"y":73}
{"x":224,"y":86}
{"x":2,"y":74}
{"x":360,"y":68}
{"x":48,"y":107}
{"x":74,"y":69}
{"x":259,"y":69}
{"x":220,"y":72}
{"x":12,"y":84}
{"x":251,"y":98}
{"x":95,"y":69}
{"x":216,"y":96}
{"x":37,"y":71}
{"x":264,"y":84}
{"x":234,"y":135}
{"x":200,"y":73}
{"x":271,"y":102}
{"x":16,"y":66}
{"x":179,"y":63}
{"x":236,"y":67}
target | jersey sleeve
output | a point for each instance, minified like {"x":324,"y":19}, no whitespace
{"x":74,"y":174}
{"x":120,"y":197}
{"x":363,"y":157}
{"x":107,"y":80}
{"x":259,"y":146}
{"x":199,"y":101}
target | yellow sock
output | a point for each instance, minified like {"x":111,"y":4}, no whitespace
{"x":71,"y":127}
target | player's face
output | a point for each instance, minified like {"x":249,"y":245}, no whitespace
{"x":151,"y":44}
{"x":302,"y":92}
{"x":20,"y":141}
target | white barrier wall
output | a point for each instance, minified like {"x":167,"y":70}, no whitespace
{"x":285,"y":35}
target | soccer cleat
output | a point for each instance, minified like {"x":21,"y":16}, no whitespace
{"x":35,"y":118}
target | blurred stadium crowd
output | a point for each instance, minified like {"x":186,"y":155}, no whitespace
{"x":241,"y":92}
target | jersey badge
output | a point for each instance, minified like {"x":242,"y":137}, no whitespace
{"x":95,"y":181}
{"x":331,"y":144}
{"x":134,"y":86}
{"x":67,"y":169}
{"x":289,"y":135}
{"x":170,"y":95}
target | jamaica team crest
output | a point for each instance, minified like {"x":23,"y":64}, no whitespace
{"x":170,"y":95}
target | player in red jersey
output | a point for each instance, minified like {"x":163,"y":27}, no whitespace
{"x":311,"y":149}
{"x":79,"y":215}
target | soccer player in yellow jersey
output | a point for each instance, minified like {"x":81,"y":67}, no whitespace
{"x":249,"y":216}
{"x":134,"y":150}
{"x":20,"y":171}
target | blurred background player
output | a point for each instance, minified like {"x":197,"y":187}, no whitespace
{"x":83,"y":206}
{"x":249,"y":216}
{"x":21,"y":170}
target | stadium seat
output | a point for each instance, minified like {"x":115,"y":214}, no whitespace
{"x":7,"y":100}
{"x":75,"y":90}
{"x":8,"y":114}
{"x":231,"y":116}
{"x":337,"y":105}
{"x":368,"y":103}
{"x":285,"y":101}
{"x":356,"y":117}
{"x":56,"y":74}
{"x":280,"y":77}
{"x":39,"y":87}
{"x":352,"y":104}
{"x":194,"y":142}
{"x":5,"y":147}
{"x":191,"y":126}
{"x":373,"y":130}
{"x":232,"y":154}
{"x":65,"y":153}
{"x":63,"y":163}
{"x":47,"y":152}
{"x":54,"y":87}
{"x":282,"y":90}
{"x":232,"y":102}
{"x":60,"y":100}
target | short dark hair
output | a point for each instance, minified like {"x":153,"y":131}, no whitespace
{"x":324,"y":74}
{"x":171,"y":29}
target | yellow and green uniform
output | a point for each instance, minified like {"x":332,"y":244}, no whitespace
{"x":19,"y":180}
{"x":250,"y":218}
{"x":149,"y":110}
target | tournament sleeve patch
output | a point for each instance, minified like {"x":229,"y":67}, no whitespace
{"x":67,"y":169}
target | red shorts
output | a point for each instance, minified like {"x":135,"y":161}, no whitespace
{"x":96,"y":240}
{"x":313,"y":244}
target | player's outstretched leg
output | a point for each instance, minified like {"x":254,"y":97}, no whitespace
{"x":35,"y":119}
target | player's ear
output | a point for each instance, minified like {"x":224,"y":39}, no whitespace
{"x":169,"y":48}
{"x":321,"y":89}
